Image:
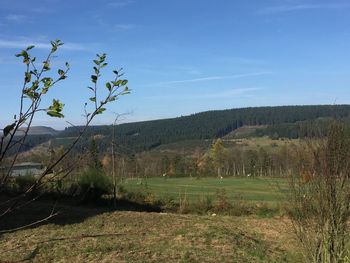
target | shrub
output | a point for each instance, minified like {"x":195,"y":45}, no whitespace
{"x":136,"y":197}
{"x":71,"y":189}
{"x":169,"y":204}
{"x":151,"y":199}
{"x":121,"y":191}
{"x":184,"y":205}
{"x":319,"y":204}
{"x":24,"y":182}
{"x":204,"y":204}
{"x":222,"y":204}
{"x":93,"y":184}
{"x":239,"y":207}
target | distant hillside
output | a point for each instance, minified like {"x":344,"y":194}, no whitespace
{"x":38,"y":130}
{"x":245,"y":131}
{"x":141,"y":136}
{"x":36,"y":136}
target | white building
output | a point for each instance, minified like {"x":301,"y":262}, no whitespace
{"x":21,"y":169}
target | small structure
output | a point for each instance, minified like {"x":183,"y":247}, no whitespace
{"x":28,"y":168}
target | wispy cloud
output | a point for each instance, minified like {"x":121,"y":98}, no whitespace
{"x":225,"y":94}
{"x":120,"y":3}
{"x":194,"y":72}
{"x":121,"y":27}
{"x":16,"y":18}
{"x":18,"y":44}
{"x":300,"y":7}
{"x":235,"y":76}
{"x":242,"y":60}
{"x":229,"y":93}
{"x":112,"y":26}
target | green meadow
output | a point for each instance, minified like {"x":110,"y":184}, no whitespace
{"x":271,"y":190}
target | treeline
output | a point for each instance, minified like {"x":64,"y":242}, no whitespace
{"x":218,"y":160}
{"x":143,"y":136}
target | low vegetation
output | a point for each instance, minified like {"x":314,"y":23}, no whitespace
{"x":320,"y":199}
{"x":154,"y":237}
{"x":93,"y":184}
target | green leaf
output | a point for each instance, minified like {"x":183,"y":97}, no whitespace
{"x":35,"y":85}
{"x":113,"y":98}
{"x":55,"y":114}
{"x":100,"y":111}
{"x":44,"y":90}
{"x":27,"y":77}
{"x":93,"y":99}
{"x":46,"y":65}
{"x":47,"y":82}
{"x":109,"y":86}
{"x":55,"y":109}
{"x":55,"y":44}
{"x":57,"y":104}
{"x":60,"y":72}
{"x":22,"y":54}
{"x":30,"y":47}
{"x":8,"y":129}
{"x":115,"y":72}
{"x":96,"y":71}
{"x":31,"y":94}
{"x":94,"y":78}
{"x":103,"y":65}
{"x":117,"y":83}
{"x":96,"y":62}
{"x":124,"y":82}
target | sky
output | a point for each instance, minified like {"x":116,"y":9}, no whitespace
{"x":183,"y":56}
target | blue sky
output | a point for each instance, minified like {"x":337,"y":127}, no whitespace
{"x":183,"y":56}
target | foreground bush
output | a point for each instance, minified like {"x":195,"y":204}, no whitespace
{"x":94,"y":184}
{"x":320,"y":199}
{"x":24,"y":182}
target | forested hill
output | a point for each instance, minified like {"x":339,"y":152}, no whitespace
{"x":138,"y":136}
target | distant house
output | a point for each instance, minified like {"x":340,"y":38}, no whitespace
{"x":21,"y":169}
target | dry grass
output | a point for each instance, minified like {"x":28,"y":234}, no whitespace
{"x":153,"y":237}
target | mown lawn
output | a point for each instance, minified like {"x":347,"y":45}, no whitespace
{"x":270,"y":190}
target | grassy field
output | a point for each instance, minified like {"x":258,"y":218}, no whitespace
{"x":271,"y":190}
{"x":96,"y":234}
{"x":153,"y":237}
